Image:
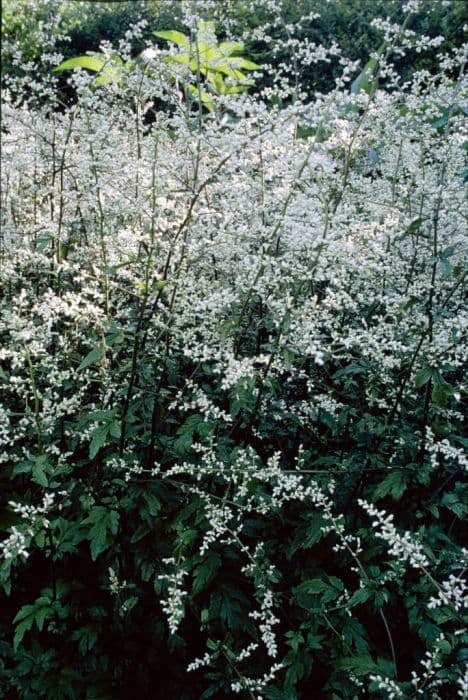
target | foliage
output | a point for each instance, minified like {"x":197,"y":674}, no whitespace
{"x":232,"y":347}
{"x":220,"y":64}
{"x":348,"y":23}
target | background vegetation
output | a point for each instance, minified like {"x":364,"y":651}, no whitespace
{"x":346,"y":22}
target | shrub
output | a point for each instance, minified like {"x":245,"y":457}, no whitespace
{"x":232,"y":350}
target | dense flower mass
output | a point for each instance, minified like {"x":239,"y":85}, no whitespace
{"x":233,"y":336}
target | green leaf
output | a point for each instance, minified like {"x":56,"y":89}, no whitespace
{"x":448,"y":252}
{"x":38,"y":470}
{"x":206,"y":53}
{"x":99,"y":437}
{"x":441,"y":391}
{"x":86,"y":637}
{"x":446,"y":267}
{"x":203,"y":95}
{"x":115,"y":429}
{"x":441,"y":121}
{"x":314,"y":586}
{"x":178,"y":58}
{"x":104,"y":522}
{"x":394,"y":484}
{"x":295,"y":640}
{"x":98,"y":415}
{"x":380,"y":598}
{"x":231,"y":73}
{"x":229,"y":605}
{"x":115,"y":338}
{"x":30,"y":614}
{"x":140,"y":533}
{"x":103,"y":79}
{"x":453,"y":503}
{"x":306,"y":593}
{"x":21,"y":630}
{"x":154,"y":506}
{"x":44,"y":240}
{"x":428,"y":631}
{"x":360,"y":596}
{"x":23,"y":613}
{"x":230,"y":48}
{"x":205,"y":616}
{"x":94,"y":63}
{"x":414,"y":226}
{"x":249,"y":65}
{"x":110,"y":68}
{"x":310,"y":533}
{"x":41,"y":615}
{"x":444,"y":646}
{"x":92,"y":357}
{"x":129,"y":603}
{"x":186,"y":433}
{"x":423,"y":376}
{"x":206,"y":571}
{"x":366,"y":80}
{"x":354,"y":634}
{"x":359,"y":665}
{"x":174,"y":36}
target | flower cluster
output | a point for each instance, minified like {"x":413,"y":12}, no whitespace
{"x":402,"y":547}
{"x":16,"y":545}
{"x":173,"y":604}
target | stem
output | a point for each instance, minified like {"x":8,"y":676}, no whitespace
{"x":104,"y":263}
{"x":37,"y":401}
{"x":62,"y":187}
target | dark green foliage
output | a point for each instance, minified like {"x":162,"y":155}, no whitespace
{"x":65,"y":635}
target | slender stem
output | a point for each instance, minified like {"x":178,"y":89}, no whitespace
{"x":62,"y":188}
{"x":37,"y":401}
{"x":102,"y":238}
